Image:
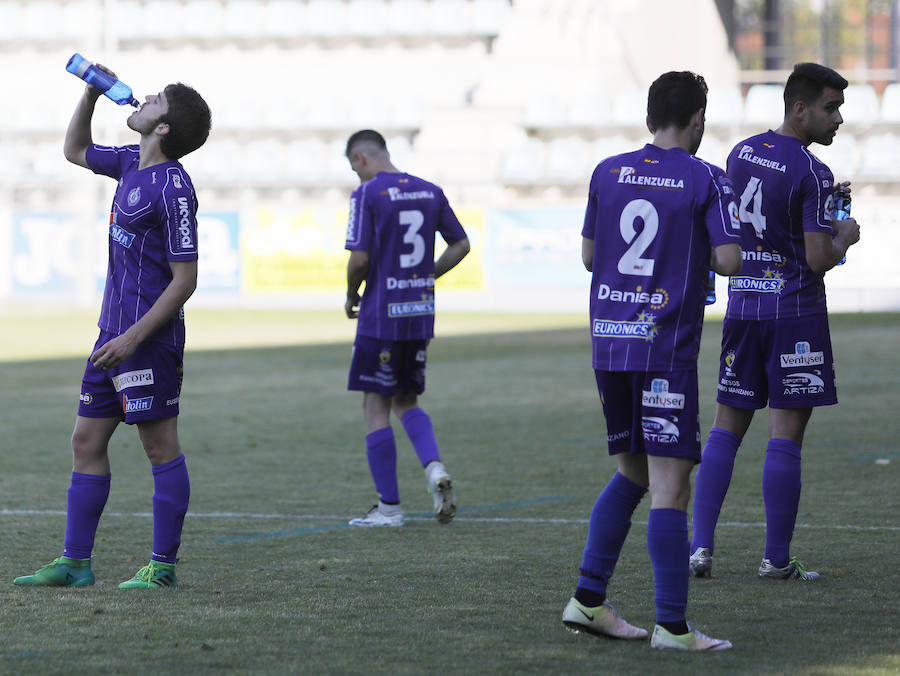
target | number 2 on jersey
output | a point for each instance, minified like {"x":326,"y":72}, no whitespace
{"x":413,"y":220}
{"x":753,"y":192}
{"x":631,"y":262}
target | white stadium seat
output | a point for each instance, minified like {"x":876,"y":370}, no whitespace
{"x":879,"y":156}
{"x":890,"y":104}
{"x":764,"y":105}
{"x":860,"y":105}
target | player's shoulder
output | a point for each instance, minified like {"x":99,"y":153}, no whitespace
{"x":177,"y":178}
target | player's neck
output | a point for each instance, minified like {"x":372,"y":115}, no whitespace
{"x":151,"y":153}
{"x":793,"y":129}
{"x":669,"y":138}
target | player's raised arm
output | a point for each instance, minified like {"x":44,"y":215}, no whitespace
{"x":78,"y":133}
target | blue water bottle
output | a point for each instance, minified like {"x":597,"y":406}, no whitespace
{"x":711,"y":288}
{"x":115,"y":89}
{"x":841,"y":213}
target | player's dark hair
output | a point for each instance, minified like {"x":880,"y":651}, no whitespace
{"x":189,"y":121}
{"x":808,"y":81}
{"x":368,"y":135}
{"x":674,"y":97}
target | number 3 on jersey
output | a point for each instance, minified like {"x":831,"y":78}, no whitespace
{"x":753,"y":193}
{"x":631,"y":262}
{"x":413,"y":220}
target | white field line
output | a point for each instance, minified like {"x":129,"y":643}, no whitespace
{"x":473,"y":519}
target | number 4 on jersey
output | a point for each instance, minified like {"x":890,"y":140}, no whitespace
{"x":753,"y":193}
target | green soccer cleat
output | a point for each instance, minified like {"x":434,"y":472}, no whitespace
{"x":62,"y":572}
{"x":155,"y":574}
{"x":602,"y":620}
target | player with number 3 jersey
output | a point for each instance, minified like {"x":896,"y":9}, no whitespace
{"x":394,"y":218}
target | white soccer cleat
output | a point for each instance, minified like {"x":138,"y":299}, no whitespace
{"x":701,"y":563}
{"x":694,"y":640}
{"x":380,"y":515}
{"x":441,"y":488}
{"x":794,"y":570}
{"x":600,"y":621}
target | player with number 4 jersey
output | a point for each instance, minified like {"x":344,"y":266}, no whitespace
{"x":394,"y":218}
{"x":776,"y":347}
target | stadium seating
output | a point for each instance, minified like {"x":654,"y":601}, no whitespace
{"x":764,"y":105}
{"x":860,"y":106}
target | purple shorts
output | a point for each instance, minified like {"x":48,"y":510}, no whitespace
{"x":388,"y":367}
{"x":146,"y":386}
{"x":653,"y":412}
{"x":787,"y":362}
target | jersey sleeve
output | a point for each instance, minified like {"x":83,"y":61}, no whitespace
{"x":816,"y":191}
{"x":179,"y":216}
{"x":106,"y":160}
{"x":448,"y":224}
{"x":360,"y":223}
{"x":589,"y":228}
{"x":721,"y":217}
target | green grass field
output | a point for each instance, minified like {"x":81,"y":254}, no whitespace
{"x":273,"y":582}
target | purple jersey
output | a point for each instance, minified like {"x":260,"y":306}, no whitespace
{"x":394,"y":217}
{"x":653,"y":215}
{"x":153,"y":220}
{"x":784,"y":191}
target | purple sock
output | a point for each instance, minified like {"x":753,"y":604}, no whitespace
{"x":667,"y":542}
{"x":781,"y":493}
{"x":421,"y":433}
{"x":607,"y":529}
{"x":86,"y":500}
{"x":381,"y":450}
{"x":170,"y":503}
{"x":711,"y":484}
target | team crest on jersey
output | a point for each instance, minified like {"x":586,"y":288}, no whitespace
{"x":134,"y":196}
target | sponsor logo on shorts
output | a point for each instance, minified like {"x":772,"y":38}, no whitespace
{"x":803,"y":383}
{"x":802,"y":356}
{"x":136,"y":405}
{"x":132,"y":379}
{"x":660,"y":430}
{"x":411,"y":309}
{"x":172,"y":402}
{"x":420,"y":355}
{"x":660,"y":397}
{"x":618,"y":436}
{"x":644,"y":328}
{"x":384,"y":356}
{"x":86,"y":398}
{"x":734,"y":387}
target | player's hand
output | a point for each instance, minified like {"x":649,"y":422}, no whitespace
{"x":92,"y":91}
{"x":114,"y":352}
{"x":847,"y":231}
{"x":842,"y":189}
{"x":351,"y":305}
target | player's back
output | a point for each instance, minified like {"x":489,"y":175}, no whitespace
{"x":394,"y":216}
{"x":652,"y":214}
{"x":783,"y":191}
